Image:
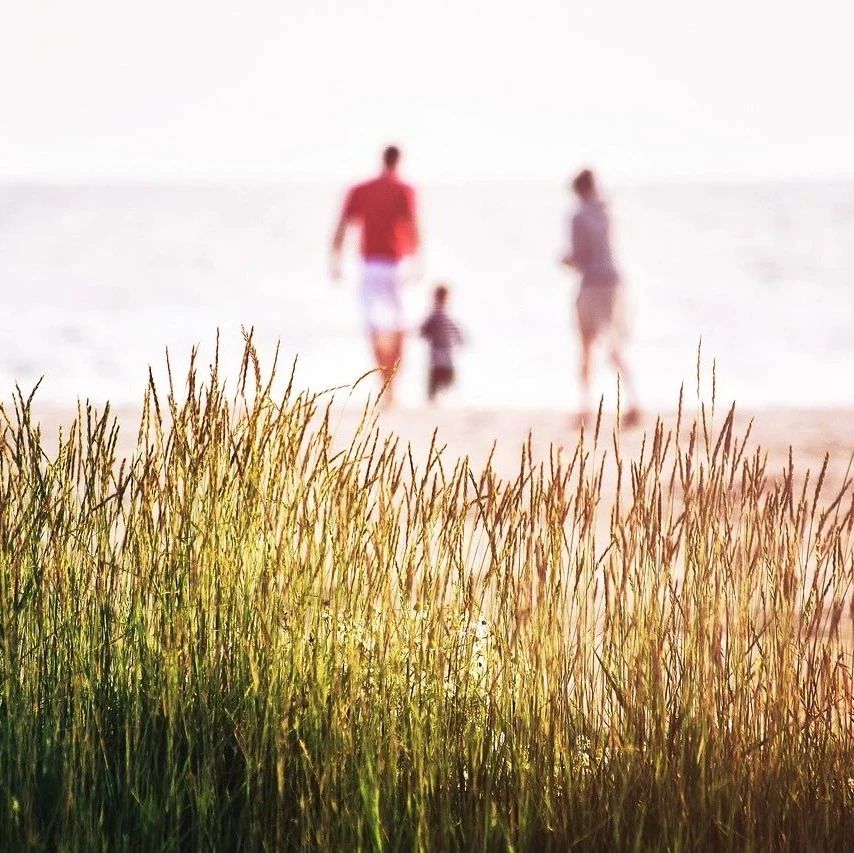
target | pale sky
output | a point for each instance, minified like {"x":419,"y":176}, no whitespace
{"x":272,"y":89}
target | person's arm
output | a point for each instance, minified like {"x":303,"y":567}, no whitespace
{"x":347,"y":213}
{"x":410,"y":217}
{"x":337,"y":244}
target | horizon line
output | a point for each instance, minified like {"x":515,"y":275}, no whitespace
{"x":200,"y":181}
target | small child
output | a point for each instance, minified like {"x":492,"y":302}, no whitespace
{"x":443,"y":334}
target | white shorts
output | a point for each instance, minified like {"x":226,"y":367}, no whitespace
{"x":379,"y":296}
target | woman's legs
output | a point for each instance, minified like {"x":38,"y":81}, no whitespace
{"x":631,"y":414}
{"x":587,"y":341}
{"x":601,"y":313}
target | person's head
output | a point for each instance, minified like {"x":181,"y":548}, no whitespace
{"x":391,"y":157}
{"x":584,"y":184}
{"x":440,"y":296}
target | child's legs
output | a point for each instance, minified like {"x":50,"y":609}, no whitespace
{"x":440,"y":377}
{"x":432,"y":386}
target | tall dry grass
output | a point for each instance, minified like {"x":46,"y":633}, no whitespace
{"x":256,"y":634}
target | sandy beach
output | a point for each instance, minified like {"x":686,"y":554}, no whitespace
{"x":811,"y":434}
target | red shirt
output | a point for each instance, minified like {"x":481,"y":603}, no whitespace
{"x":385,"y":208}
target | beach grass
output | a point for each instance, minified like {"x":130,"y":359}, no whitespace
{"x":257,"y":633}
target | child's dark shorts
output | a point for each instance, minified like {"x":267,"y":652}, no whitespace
{"x":440,"y":377}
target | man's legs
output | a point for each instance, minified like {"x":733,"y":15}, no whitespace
{"x":388,"y":351}
{"x":383,"y":312}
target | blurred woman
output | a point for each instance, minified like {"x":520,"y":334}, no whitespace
{"x":600,"y":307}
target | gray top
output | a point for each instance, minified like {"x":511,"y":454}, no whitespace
{"x":443,"y":334}
{"x":591,"y":245}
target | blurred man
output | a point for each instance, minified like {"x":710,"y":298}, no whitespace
{"x":384,"y":209}
{"x":600,"y":305}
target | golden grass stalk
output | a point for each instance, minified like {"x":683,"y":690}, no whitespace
{"x":257,"y":632}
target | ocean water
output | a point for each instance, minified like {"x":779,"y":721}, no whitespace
{"x":98,"y":281}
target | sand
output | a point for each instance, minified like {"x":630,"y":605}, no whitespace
{"x":810,"y":433}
